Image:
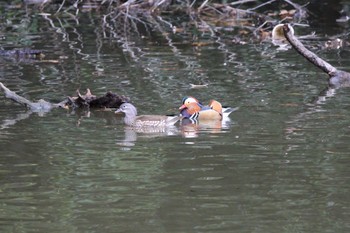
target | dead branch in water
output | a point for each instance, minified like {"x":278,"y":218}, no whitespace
{"x":109,"y":100}
{"x":40,"y":106}
{"x":301,"y":49}
{"x":337,"y":78}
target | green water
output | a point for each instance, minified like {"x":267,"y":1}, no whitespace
{"x":279,"y":165}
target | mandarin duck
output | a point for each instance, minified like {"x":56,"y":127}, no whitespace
{"x":131,"y":118}
{"x":192,"y":109}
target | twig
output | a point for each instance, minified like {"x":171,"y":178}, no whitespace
{"x":191,"y":5}
{"x":241,"y":2}
{"x":203,"y":4}
{"x":62,"y":4}
{"x":301,"y":9}
{"x":295,"y":5}
{"x":157,"y":4}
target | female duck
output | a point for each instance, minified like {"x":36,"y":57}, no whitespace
{"x":131,"y":118}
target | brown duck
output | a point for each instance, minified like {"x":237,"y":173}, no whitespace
{"x":131,"y":118}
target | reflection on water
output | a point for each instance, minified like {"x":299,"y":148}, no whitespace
{"x":187,"y":129}
{"x":9,"y":122}
{"x":191,"y":128}
{"x":279,"y":164}
{"x":132,"y":134}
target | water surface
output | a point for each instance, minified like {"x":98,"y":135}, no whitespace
{"x":279,"y":165}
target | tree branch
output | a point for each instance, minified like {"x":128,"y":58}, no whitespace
{"x":109,"y":100}
{"x":40,"y":106}
{"x":337,"y":78}
{"x":310,"y":56}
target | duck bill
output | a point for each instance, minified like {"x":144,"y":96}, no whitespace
{"x":118,"y":111}
{"x":182,"y":107}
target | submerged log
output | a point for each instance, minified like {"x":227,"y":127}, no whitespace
{"x":109,"y":100}
{"x":337,"y":78}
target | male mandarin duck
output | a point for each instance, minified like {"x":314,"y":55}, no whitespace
{"x":192,"y":109}
{"x":131,"y":118}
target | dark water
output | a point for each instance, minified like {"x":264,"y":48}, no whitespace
{"x":280,"y":164}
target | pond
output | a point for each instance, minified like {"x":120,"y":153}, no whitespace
{"x":280,"y":164}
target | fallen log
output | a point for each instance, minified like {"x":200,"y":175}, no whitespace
{"x":337,"y":78}
{"x":109,"y":100}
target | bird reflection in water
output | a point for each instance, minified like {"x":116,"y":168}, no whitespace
{"x":187,"y":128}
{"x":192,"y":128}
{"x":132,"y":134}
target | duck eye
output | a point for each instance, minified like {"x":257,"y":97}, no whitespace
{"x":190,"y":100}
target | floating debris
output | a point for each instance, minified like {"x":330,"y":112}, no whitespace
{"x":195,"y":86}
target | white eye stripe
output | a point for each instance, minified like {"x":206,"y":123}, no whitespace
{"x":191,"y":100}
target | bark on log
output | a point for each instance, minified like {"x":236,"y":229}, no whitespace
{"x":337,"y":78}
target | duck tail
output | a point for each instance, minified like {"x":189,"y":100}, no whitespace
{"x":172,"y":120}
{"x":226,"y":111}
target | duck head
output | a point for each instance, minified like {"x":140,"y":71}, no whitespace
{"x":128,"y":109}
{"x":193,"y":109}
{"x":187,"y":110}
{"x":188,"y":101}
{"x":130,"y":113}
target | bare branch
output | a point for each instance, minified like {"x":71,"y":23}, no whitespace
{"x":40,"y":106}
{"x":203,"y":4}
{"x":241,"y":2}
{"x":62,"y":4}
{"x":337,"y":78}
{"x":310,"y":56}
